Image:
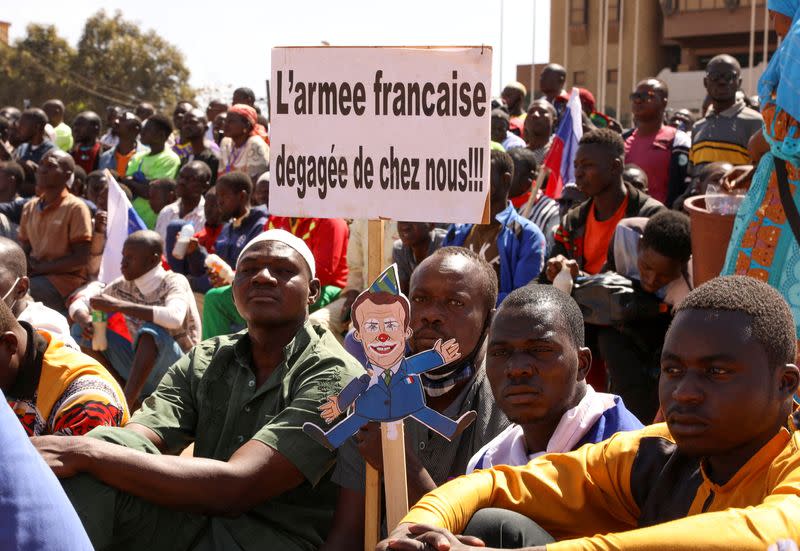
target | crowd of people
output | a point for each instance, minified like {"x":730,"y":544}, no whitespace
{"x":601,"y":400}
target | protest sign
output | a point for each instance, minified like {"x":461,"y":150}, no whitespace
{"x":381,"y":133}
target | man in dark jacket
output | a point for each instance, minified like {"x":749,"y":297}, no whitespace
{"x":583,"y":238}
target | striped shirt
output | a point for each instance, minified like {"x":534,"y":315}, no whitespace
{"x":723,"y":136}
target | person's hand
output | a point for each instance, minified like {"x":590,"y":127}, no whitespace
{"x":368,"y":439}
{"x":30,"y":168}
{"x":349,"y":297}
{"x":739,"y":177}
{"x":100,"y":221}
{"x":330,"y":409}
{"x":421,"y":537}
{"x":105,"y":303}
{"x":555,"y":264}
{"x":63,"y":454}
{"x":447,"y":350}
{"x":34,"y":266}
{"x":84,"y":320}
{"x":192,"y":246}
{"x":215,"y":279}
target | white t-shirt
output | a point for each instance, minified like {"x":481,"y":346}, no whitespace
{"x":46,"y":319}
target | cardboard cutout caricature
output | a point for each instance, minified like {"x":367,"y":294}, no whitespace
{"x":391,"y":390}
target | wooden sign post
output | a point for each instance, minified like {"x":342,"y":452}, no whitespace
{"x":372,"y":498}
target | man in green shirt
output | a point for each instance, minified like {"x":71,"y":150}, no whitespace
{"x":256,"y":481}
{"x":55,"y":113}
{"x":157,"y":164}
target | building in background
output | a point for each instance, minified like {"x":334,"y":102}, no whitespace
{"x":671,"y":39}
{"x":4,"y":25}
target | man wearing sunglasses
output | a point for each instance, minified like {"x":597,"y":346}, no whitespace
{"x":660,"y":150}
{"x":723,"y":134}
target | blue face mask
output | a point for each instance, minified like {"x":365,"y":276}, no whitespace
{"x":13,"y":287}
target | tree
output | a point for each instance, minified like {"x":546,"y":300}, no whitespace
{"x":114,"y":64}
{"x":36,"y":67}
{"x":129,"y":64}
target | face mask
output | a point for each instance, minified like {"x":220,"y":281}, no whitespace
{"x":442,"y":382}
{"x":13,"y":286}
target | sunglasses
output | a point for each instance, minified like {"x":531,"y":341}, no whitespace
{"x":725,"y":78}
{"x":642,"y":96}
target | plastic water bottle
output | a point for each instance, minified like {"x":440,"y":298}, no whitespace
{"x":720,"y":201}
{"x":99,"y":324}
{"x":563,"y":281}
{"x":220,"y":268}
{"x":184,"y":236}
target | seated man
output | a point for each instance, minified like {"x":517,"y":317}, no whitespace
{"x":157,"y":163}
{"x":117,"y":158}
{"x":161,"y":193}
{"x":453,"y":293}
{"x":635,"y":176}
{"x":255,"y":478}
{"x":193,"y":131}
{"x":35,"y":514}
{"x":513,"y":245}
{"x":87,"y":148}
{"x":418,"y":240}
{"x":12,"y":178}
{"x":54,"y":389}
{"x":35,"y":145}
{"x":206,"y":238}
{"x":54,"y":109}
{"x":193,"y":181}
{"x":14,"y":287}
{"x":97,"y":192}
{"x":656,"y":255}
{"x":243,"y":223}
{"x":584,"y":235}
{"x":327,"y":238}
{"x":540,"y":209}
{"x":721,"y":473}
{"x":56,"y":233}
{"x":536,"y":362}
{"x":500,"y":131}
{"x":161,"y":319}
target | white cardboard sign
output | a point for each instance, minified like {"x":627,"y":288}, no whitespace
{"x":380,"y":132}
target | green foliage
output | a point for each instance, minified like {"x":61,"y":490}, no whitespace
{"x":115,"y":63}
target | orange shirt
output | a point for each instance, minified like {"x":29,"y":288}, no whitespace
{"x":122,"y":161}
{"x":598,"y":236}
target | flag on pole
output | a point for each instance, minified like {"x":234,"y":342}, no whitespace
{"x":561,"y":156}
{"x":122,"y":221}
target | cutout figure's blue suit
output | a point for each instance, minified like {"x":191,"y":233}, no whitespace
{"x":403,"y":397}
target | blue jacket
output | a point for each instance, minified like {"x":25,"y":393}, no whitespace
{"x":231,"y":241}
{"x":520,"y":245}
{"x":401,"y":398}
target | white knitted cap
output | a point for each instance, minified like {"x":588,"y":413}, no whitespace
{"x":287,"y":238}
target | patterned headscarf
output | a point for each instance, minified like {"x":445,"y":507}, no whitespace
{"x":252,"y":117}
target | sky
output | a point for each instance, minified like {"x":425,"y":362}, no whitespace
{"x":226,"y":48}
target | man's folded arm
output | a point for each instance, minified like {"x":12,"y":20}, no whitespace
{"x":591,"y":484}
{"x":753,"y":528}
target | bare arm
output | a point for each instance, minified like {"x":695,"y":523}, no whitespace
{"x":254,"y":474}
{"x":77,"y":259}
{"x":348,"y":521}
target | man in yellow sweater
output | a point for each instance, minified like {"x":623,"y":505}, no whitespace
{"x":722,"y":473}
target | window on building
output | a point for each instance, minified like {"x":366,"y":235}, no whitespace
{"x":578,"y":12}
{"x":612,"y":76}
{"x":579,"y":78}
{"x":613,"y":11}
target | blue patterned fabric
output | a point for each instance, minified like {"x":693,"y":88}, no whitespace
{"x":781,"y":79}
